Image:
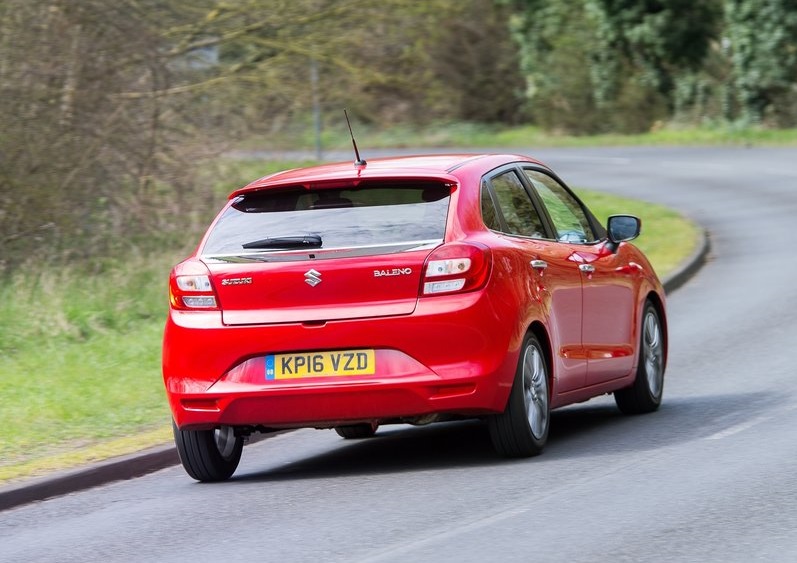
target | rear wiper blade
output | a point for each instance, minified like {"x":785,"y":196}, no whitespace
{"x":288,"y":242}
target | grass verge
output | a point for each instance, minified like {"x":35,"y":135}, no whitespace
{"x":80,"y":347}
{"x":475,"y":135}
{"x":80,"y":363}
{"x":667,"y":237}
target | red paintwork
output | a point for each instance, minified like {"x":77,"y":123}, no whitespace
{"x":453,"y":354}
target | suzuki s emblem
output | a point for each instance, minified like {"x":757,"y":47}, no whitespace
{"x":312,"y":278}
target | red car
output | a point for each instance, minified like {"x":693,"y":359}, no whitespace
{"x":407,"y":290}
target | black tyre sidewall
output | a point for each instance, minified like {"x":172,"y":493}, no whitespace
{"x":639,"y":398}
{"x":356,"y":431}
{"x":201,"y":458}
{"x":510,"y":431}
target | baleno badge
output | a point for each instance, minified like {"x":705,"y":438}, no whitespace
{"x":392,"y":272}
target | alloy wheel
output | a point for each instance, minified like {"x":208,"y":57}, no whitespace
{"x":535,"y":391}
{"x":654,"y":353}
{"x":225,"y":439}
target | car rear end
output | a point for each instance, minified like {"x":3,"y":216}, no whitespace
{"x":337,"y":299}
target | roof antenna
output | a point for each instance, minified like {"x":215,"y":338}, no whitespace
{"x":359,"y":161}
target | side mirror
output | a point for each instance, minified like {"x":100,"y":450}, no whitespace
{"x":622,"y":228}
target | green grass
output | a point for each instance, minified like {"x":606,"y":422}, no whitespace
{"x":474,"y":135}
{"x":69,"y":393}
{"x":80,"y":346}
{"x":80,"y":356}
{"x":667,"y":237}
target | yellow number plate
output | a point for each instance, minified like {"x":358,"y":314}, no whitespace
{"x":320,"y":364}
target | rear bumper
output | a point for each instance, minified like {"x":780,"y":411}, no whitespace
{"x":452,"y":355}
{"x":332,"y":405}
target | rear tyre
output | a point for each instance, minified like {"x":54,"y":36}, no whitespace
{"x":522,"y":429}
{"x":209,"y":455}
{"x":645,"y":394}
{"x":357,"y":431}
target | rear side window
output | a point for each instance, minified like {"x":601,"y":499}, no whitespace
{"x":489,"y":212}
{"x":519,"y":213}
{"x":333,"y":217}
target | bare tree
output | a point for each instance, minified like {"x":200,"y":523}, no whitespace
{"x":109,"y":107}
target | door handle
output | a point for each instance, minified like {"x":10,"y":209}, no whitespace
{"x":586,"y":268}
{"x":539,"y":264}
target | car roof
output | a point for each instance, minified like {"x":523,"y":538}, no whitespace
{"x":417,"y":167}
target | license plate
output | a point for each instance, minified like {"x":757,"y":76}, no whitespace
{"x":321,"y":364}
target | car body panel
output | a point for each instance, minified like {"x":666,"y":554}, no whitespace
{"x":556,"y":300}
{"x":337,"y":289}
{"x":207,"y":352}
{"x":450,"y":354}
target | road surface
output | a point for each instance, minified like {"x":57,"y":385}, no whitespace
{"x":712,"y":476}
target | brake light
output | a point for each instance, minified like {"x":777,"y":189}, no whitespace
{"x":190,"y":287}
{"x":456,"y":268}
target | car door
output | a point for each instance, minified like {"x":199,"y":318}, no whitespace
{"x":545,"y":272}
{"x":609,"y":302}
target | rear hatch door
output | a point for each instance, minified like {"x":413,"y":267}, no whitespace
{"x":300,"y":255}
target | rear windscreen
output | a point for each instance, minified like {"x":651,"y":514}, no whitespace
{"x":331,"y":218}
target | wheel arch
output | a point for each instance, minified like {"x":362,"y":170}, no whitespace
{"x":538,"y":329}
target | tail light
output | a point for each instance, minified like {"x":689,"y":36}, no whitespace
{"x":190,"y":288}
{"x":456,"y":268}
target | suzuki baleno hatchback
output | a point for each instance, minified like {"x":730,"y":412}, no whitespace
{"x":407,"y":290}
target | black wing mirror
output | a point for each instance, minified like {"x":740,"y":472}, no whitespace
{"x":622,"y":228}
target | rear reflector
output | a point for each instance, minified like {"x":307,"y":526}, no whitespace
{"x":207,"y":405}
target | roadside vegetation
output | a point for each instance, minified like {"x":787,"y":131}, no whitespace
{"x":525,"y":137}
{"x":117,"y":116}
{"x":108,"y":107}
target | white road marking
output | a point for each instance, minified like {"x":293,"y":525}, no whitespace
{"x":392,"y":552}
{"x":741,"y":427}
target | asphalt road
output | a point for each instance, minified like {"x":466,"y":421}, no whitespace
{"x":712,"y":476}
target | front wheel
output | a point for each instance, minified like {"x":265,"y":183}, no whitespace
{"x":209,"y":455}
{"x":522,"y":429}
{"x":645,"y":394}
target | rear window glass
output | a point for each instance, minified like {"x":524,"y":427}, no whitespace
{"x":331,"y":218}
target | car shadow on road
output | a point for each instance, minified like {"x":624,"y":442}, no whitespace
{"x":394,"y":449}
{"x":591,"y":429}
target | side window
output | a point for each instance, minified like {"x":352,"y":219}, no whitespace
{"x":568,"y":217}
{"x":489,"y":213}
{"x":519,"y":213}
